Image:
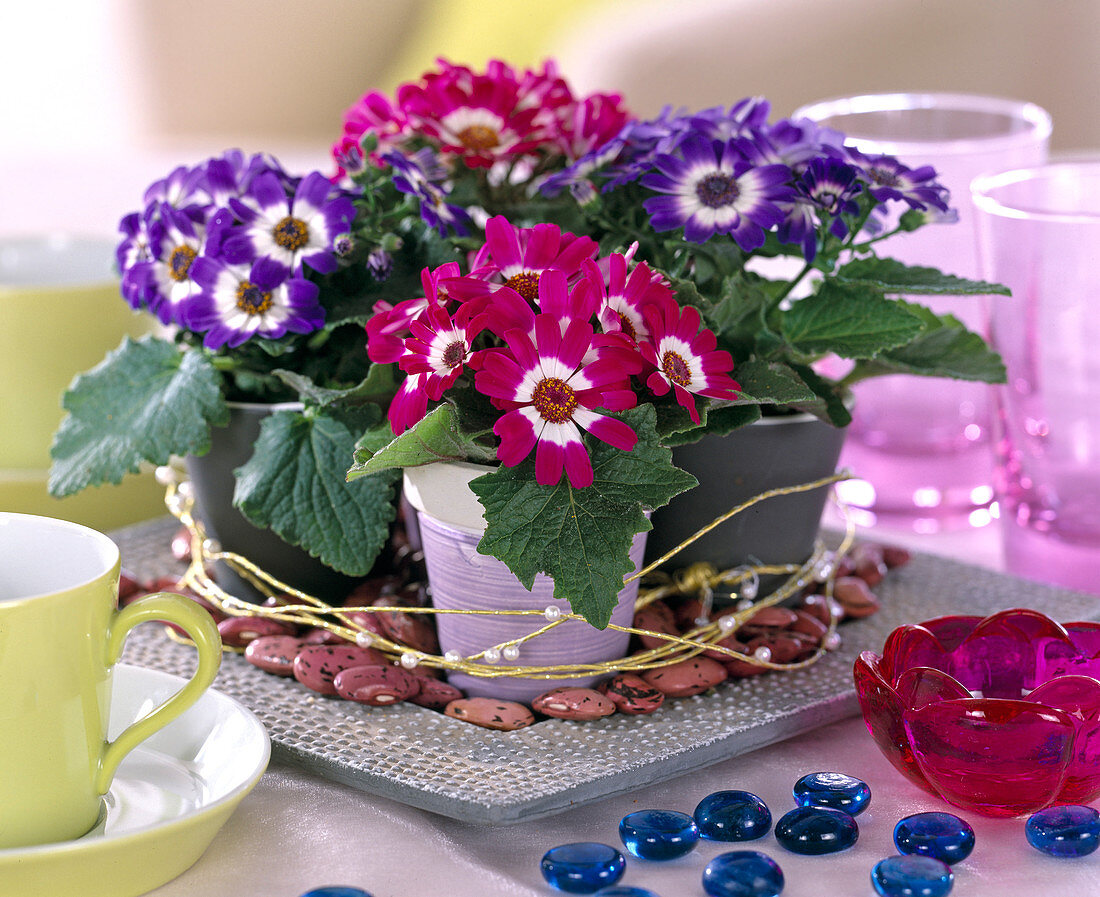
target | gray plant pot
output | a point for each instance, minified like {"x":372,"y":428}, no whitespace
{"x":771,"y":453}
{"x":213,"y":481}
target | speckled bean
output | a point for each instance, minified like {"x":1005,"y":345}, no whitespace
{"x":869,"y":563}
{"x":573,"y":702}
{"x":434,"y":694}
{"x":632,"y":694}
{"x":376,"y":684}
{"x":237,"y":632}
{"x":274,"y":653}
{"x":688,"y":677}
{"x":491,"y":713}
{"x":855,"y":597}
{"x":655,"y":617}
{"x":316,"y":666}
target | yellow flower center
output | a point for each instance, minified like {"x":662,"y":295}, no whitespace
{"x":526,"y":283}
{"x":675,"y":368}
{"x":179,"y":262}
{"x":251,"y":299}
{"x":290,"y":233}
{"x":478,"y":137}
{"x":555,"y":400}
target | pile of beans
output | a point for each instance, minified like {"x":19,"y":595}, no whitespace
{"x":329,"y":665}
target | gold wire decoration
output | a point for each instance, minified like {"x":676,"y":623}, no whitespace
{"x":702,"y":579}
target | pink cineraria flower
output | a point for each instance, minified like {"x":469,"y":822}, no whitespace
{"x":623,"y":296}
{"x":409,"y":405}
{"x":589,"y":123}
{"x":371,"y":113}
{"x":389,"y":326}
{"x":685,"y":356}
{"x":550,"y":391}
{"x":440,"y":347}
{"x":479,"y":117}
{"x":516,"y":257}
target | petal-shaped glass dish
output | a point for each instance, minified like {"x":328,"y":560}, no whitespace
{"x":999,"y":715}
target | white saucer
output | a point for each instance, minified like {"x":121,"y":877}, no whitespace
{"x":169,"y":799}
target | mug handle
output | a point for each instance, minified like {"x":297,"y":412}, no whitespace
{"x":200,"y":627}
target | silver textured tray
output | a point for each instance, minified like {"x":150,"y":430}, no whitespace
{"x":425,"y":759}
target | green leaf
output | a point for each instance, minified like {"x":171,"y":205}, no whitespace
{"x":294,"y":485}
{"x":945,"y":348}
{"x":770,"y":382}
{"x":850,"y":320}
{"x":146,"y":401}
{"x":891,"y":276}
{"x":378,"y":386}
{"x":436,"y":437}
{"x":829,"y":404}
{"x":580,"y":537}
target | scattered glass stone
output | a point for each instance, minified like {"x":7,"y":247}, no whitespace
{"x":658,"y":834}
{"x":912,"y":876}
{"x":336,"y":891}
{"x":743,"y":873}
{"x":834,"y":790}
{"x":624,"y":891}
{"x":816,"y":830}
{"x":582,"y":867}
{"x":733,"y":816}
{"x":1071,"y":831}
{"x":942,"y":836}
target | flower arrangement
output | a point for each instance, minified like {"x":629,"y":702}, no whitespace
{"x":547,"y":283}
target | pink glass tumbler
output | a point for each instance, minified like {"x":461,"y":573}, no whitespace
{"x":1039,"y":233}
{"x":920,"y":447}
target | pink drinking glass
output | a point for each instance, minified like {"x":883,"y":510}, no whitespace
{"x":920,"y":447}
{"x":1039,"y":233}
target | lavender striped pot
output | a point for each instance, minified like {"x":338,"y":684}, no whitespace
{"x":451,"y":525}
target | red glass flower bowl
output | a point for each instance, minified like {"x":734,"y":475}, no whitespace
{"x":999,"y":715}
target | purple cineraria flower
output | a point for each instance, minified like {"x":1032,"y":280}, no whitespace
{"x":238,"y":302}
{"x":718,"y":124}
{"x":163,"y":280}
{"x":421,"y":175}
{"x":181,"y":189}
{"x":887,"y":178}
{"x":289,"y":228}
{"x":824,"y":193}
{"x":133,"y":250}
{"x":713,"y":189}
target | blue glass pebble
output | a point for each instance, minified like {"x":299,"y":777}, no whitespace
{"x":624,"y":891}
{"x":336,"y":891}
{"x":912,"y":876}
{"x":583,"y":867}
{"x":733,"y":816}
{"x":942,"y":836}
{"x":743,"y":873}
{"x":834,"y":790}
{"x":816,"y":830}
{"x":1072,"y":831}
{"x":658,"y":834}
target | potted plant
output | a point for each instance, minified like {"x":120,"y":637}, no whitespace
{"x":665,"y":259}
{"x":262,"y":282}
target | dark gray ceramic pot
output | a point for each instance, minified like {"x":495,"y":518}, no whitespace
{"x":213,"y":481}
{"x":773,"y":452}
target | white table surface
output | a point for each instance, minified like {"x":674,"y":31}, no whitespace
{"x":295,"y":831}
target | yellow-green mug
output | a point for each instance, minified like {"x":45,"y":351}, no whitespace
{"x":61,"y":633}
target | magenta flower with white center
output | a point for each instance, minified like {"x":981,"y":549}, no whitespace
{"x":389,"y":326}
{"x":624,"y":294}
{"x":685,"y":357}
{"x":409,"y":404}
{"x":552,"y":394}
{"x":516,"y":257}
{"x":291,"y":230}
{"x":440,"y":347}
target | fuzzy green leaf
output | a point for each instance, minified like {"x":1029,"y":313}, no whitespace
{"x":146,"y":401}
{"x":436,"y":437}
{"x":580,"y":537}
{"x":893,"y":277}
{"x":770,"y":383}
{"x":945,"y":348}
{"x":294,"y":485}
{"x":850,"y":320}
